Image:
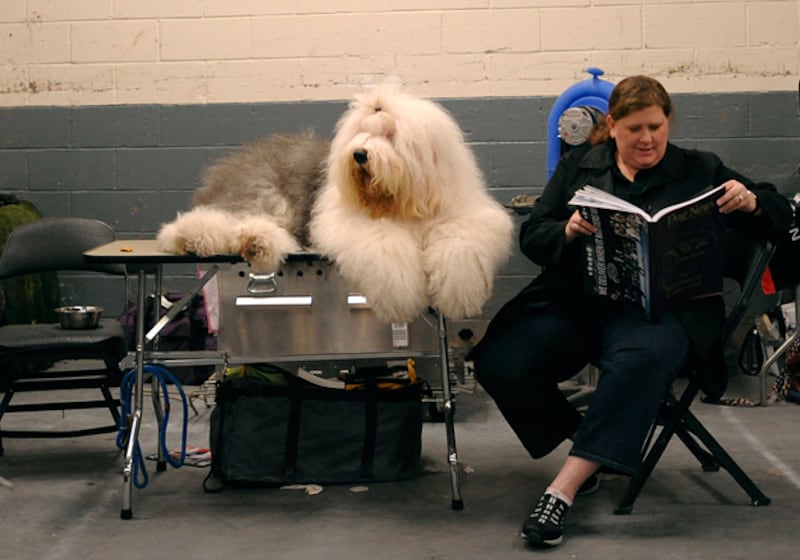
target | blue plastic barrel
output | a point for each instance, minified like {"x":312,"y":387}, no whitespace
{"x":592,"y":92}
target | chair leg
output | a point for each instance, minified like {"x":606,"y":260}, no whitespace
{"x":108,"y":402}
{"x":723,"y":459}
{"x":7,"y":396}
{"x":671,"y":413}
{"x":637,"y":482}
{"x":706,"y":460}
{"x":113,"y":405}
{"x":679,"y":420}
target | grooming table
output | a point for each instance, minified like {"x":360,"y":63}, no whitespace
{"x":242,"y":292}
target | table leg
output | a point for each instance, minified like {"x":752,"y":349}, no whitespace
{"x":449,"y":417}
{"x":136,"y":411}
{"x":155,"y":388}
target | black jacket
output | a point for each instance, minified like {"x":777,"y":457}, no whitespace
{"x":681,"y":174}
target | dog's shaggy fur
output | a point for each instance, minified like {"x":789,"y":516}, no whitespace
{"x":402,"y":208}
{"x":255,"y":202}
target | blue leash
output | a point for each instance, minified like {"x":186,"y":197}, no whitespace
{"x":126,"y":398}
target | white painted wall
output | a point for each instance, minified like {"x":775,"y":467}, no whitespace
{"x":104,"y":52}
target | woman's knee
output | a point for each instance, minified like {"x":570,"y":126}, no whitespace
{"x":669,"y":348}
{"x":660,"y":346}
{"x":657,"y":362}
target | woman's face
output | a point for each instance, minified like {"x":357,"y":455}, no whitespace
{"x":641,"y":138}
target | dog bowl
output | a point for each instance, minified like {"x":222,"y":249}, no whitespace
{"x":79,"y":316}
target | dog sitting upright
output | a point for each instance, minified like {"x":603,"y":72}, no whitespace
{"x":397,"y":201}
{"x":405,"y":211}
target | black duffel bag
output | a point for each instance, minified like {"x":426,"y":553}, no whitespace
{"x":267,"y":433}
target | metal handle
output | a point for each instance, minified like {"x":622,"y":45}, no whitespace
{"x":261,"y":283}
{"x":357,"y":301}
{"x":275,"y":301}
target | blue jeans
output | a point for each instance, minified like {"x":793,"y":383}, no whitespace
{"x":520,"y":363}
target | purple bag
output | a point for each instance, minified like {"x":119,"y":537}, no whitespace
{"x":188,"y":331}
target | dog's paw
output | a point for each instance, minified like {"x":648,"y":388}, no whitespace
{"x":387,"y":270}
{"x":263,"y":243}
{"x":457,"y":297}
{"x":202,"y":231}
{"x":260,"y":253}
{"x":458,"y":280}
{"x":399,"y":297}
{"x":170,"y":240}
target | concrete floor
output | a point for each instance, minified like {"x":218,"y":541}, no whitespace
{"x":60,"y":499}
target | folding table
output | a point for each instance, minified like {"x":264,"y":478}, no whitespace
{"x":144,"y":258}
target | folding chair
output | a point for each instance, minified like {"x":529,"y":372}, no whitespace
{"x":745,"y":264}
{"x":27,"y":351}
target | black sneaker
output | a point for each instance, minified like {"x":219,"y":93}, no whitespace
{"x":545,"y":526}
{"x":591,"y":486}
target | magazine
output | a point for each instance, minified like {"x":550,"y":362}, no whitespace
{"x":676,"y":254}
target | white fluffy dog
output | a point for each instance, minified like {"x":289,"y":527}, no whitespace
{"x":402,"y":209}
{"x":405,"y":212}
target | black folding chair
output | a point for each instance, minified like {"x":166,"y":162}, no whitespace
{"x":746,"y":260}
{"x":28,"y":351}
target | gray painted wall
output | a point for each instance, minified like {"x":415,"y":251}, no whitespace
{"x":136,"y":166}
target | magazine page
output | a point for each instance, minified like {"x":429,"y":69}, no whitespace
{"x":710,"y":194}
{"x":592,"y":197}
{"x":616,"y":256}
{"x":689,"y":253}
{"x":674,"y":255}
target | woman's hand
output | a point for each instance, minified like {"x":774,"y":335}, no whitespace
{"x":578,"y":226}
{"x":737,"y":197}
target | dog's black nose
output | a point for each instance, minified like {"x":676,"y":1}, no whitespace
{"x":360,"y":156}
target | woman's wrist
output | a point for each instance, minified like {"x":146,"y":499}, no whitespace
{"x":756,"y":211}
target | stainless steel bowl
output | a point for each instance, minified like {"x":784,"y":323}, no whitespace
{"x":79,"y":316}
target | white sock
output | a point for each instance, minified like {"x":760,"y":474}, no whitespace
{"x":558,"y":494}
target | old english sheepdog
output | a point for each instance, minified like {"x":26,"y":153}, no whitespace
{"x":254,"y":202}
{"x":396,"y":200}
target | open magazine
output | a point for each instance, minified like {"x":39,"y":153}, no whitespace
{"x":676,"y":254}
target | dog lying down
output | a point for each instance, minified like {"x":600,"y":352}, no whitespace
{"x":396,"y":200}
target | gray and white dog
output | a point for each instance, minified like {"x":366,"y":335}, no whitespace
{"x":255,"y":201}
{"x":396,"y":200}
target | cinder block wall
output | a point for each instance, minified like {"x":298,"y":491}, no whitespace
{"x":135,"y":166}
{"x":104,"y":52}
{"x":110,"y":108}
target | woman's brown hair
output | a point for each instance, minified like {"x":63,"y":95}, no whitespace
{"x":632,"y":94}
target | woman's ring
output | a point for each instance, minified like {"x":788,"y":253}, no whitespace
{"x":741,"y":198}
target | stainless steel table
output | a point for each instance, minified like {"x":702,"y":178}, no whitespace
{"x":143,"y":258}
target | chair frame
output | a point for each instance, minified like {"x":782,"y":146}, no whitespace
{"x":675,"y":415}
{"x":87,"y":233}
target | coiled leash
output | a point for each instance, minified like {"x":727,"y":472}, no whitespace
{"x":126,"y":398}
